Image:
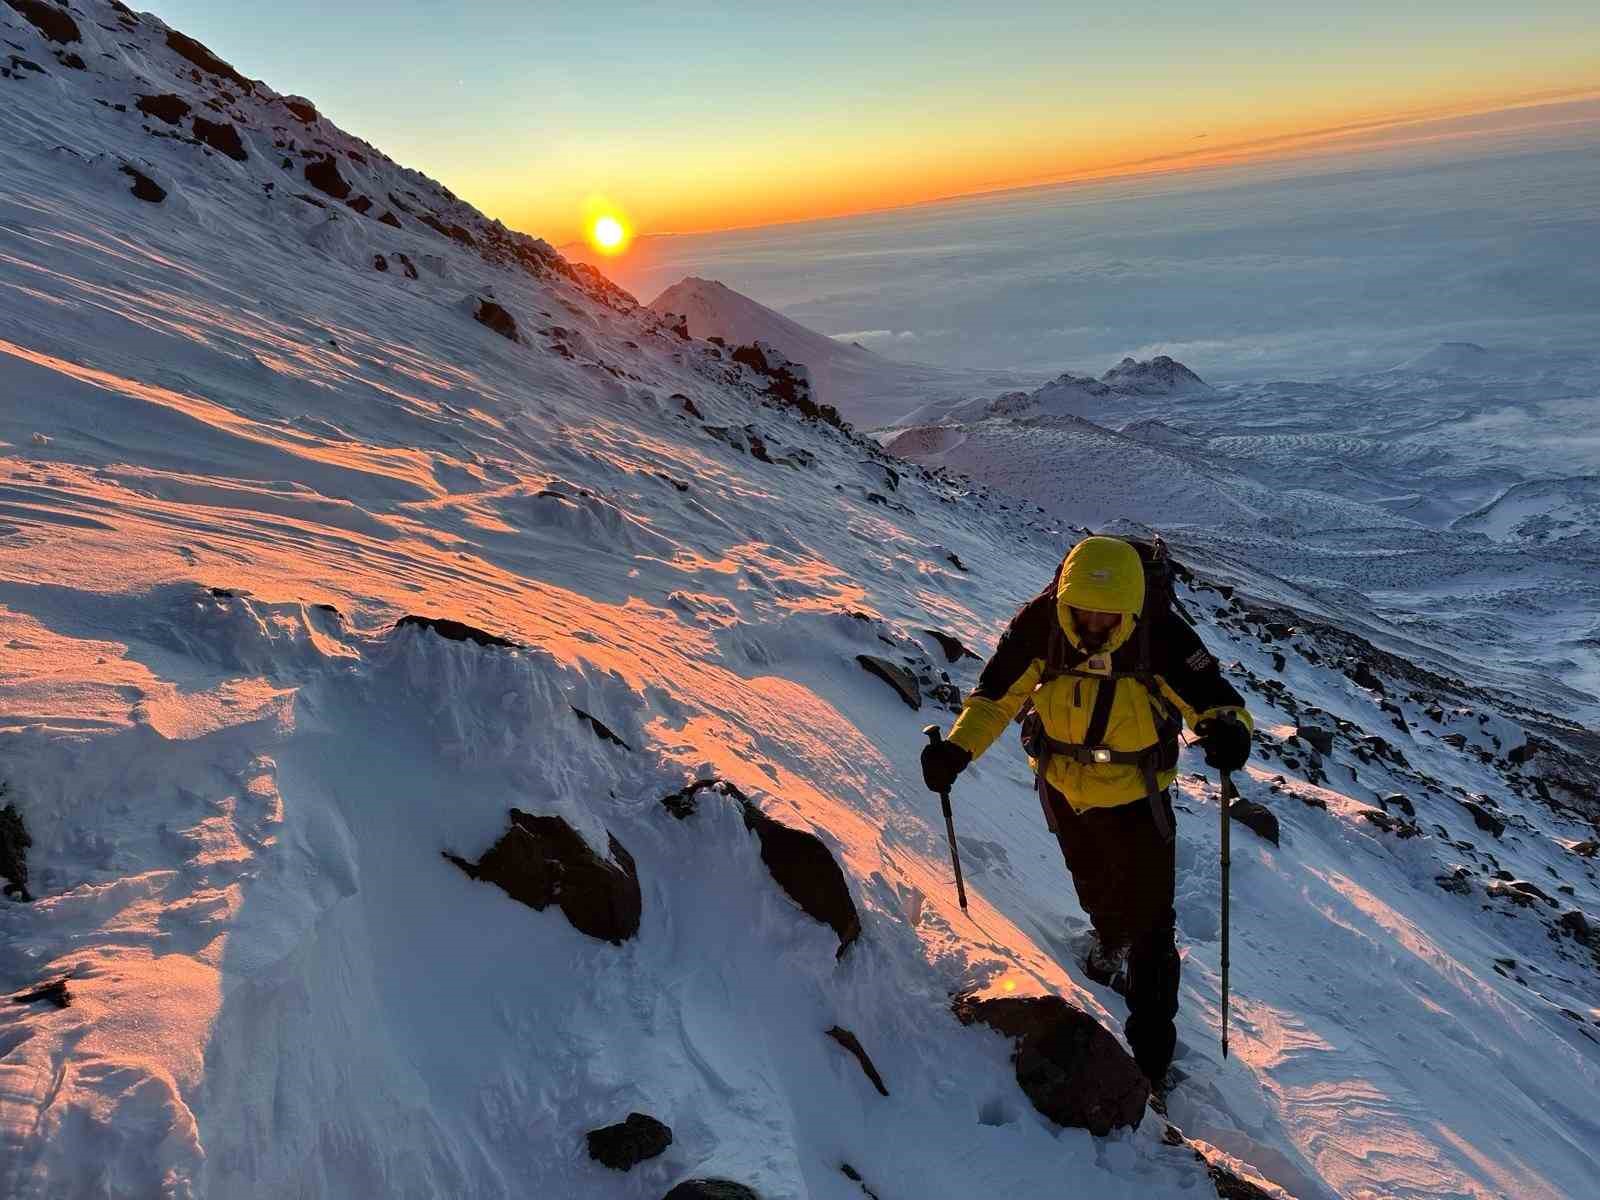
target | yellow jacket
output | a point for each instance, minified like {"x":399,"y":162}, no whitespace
{"x":1106,"y":575}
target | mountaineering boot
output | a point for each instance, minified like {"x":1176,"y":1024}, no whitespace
{"x":1108,"y":966}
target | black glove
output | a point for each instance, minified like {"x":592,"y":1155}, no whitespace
{"x":942,"y":761}
{"x":1225,"y":741}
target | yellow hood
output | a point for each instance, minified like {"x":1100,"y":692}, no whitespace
{"x":1103,"y":574}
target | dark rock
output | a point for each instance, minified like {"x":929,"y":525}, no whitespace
{"x":853,"y":1044}
{"x":1396,"y":825}
{"x":687,"y":405}
{"x":1520,"y":891}
{"x":624,"y":1146}
{"x":197,"y":54}
{"x":683,"y":803}
{"x":710,"y":1189}
{"x":455,"y":631}
{"x":221,"y":136}
{"x":1255,"y":817}
{"x":55,"y":992}
{"x":48,"y":20}
{"x":456,"y":233}
{"x":1580,"y":927}
{"x":900,"y":679}
{"x":166,"y":107}
{"x":601,"y":729}
{"x":541,"y":860}
{"x":1361,"y":674}
{"x":14,"y":843}
{"x":1483,"y":818}
{"x":359,"y":204}
{"x":1233,"y":1187}
{"x":144,"y":188}
{"x":380,"y":263}
{"x":1458,"y":740}
{"x":954,"y":560}
{"x":1396,"y":800}
{"x":496,"y":318}
{"x":854,"y":1176}
{"x":302,"y":108}
{"x":1587,"y":849}
{"x":409,"y":267}
{"x":18,"y":63}
{"x":1320,"y":740}
{"x":323,"y":174}
{"x":388,"y":218}
{"x":1279,"y":661}
{"x":1458,"y":881}
{"x":954,"y":651}
{"x":1073,"y":1070}
{"x":804,"y":867}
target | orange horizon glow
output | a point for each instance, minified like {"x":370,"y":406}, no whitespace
{"x":899,"y":181}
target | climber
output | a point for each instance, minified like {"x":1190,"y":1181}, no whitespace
{"x":1109,"y":670}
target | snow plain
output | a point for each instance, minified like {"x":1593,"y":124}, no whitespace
{"x":235,"y":453}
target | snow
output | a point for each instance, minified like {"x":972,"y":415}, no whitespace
{"x":239,"y":776}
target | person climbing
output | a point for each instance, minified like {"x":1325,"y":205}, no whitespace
{"x":1109,"y":671}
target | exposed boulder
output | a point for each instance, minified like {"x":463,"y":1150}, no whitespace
{"x":164,"y":107}
{"x":540,"y":861}
{"x":1483,"y":818}
{"x":49,"y":20}
{"x":954,"y":651}
{"x":1231,"y":1186}
{"x":1398,"y":826}
{"x":221,"y":136}
{"x":454,"y":631}
{"x":144,"y":188}
{"x":1519,"y":891}
{"x":1458,"y":881}
{"x":1255,"y":817}
{"x":1070,"y":1067}
{"x":197,"y":54}
{"x":601,"y":729}
{"x":380,"y":263}
{"x":901,"y":680}
{"x":323,"y":174}
{"x":496,"y":318}
{"x":853,"y":1044}
{"x":711,"y":1189}
{"x":1587,"y":849}
{"x":1396,"y":800}
{"x":359,"y":204}
{"x":302,"y":108}
{"x":683,"y":803}
{"x":388,"y":218}
{"x":14,"y":843}
{"x":625,"y":1145}
{"x":805,"y":868}
{"x":55,"y":992}
{"x":1320,"y":740}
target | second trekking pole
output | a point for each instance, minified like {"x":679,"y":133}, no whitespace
{"x":934,"y":737}
{"x":1228,"y":795}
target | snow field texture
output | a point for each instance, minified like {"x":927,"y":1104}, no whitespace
{"x":258,"y":453}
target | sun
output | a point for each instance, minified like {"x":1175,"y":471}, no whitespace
{"x":608,"y":234}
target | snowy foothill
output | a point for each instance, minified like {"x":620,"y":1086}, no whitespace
{"x":345,"y":561}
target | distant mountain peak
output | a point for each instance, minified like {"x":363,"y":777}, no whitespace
{"x":1158,"y":376}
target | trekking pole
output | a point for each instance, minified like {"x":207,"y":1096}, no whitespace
{"x":934,"y":738}
{"x":1228,"y":795}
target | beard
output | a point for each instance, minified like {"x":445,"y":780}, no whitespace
{"x":1092,"y":640}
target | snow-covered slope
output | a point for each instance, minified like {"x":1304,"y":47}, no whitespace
{"x":235,"y":454}
{"x":867,"y":389}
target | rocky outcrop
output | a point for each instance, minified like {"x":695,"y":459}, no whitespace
{"x":601,"y":729}
{"x":541,"y":861}
{"x":954,"y":651}
{"x":165,"y":107}
{"x":496,"y":318}
{"x":1255,"y":817}
{"x":14,"y":843}
{"x":49,"y":20}
{"x":1320,"y":740}
{"x":800,"y":863}
{"x":194,"y":52}
{"x":323,"y":174}
{"x":625,"y":1145}
{"x":900,"y":679}
{"x":1483,"y":818}
{"x":1070,"y":1067}
{"x":222,"y":137}
{"x":711,"y":1189}
{"x":853,"y":1044}
{"x":454,"y":631}
{"x":144,"y":188}
{"x":55,"y":992}
{"x":302,"y":109}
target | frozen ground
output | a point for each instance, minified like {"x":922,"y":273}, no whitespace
{"x":235,"y":453}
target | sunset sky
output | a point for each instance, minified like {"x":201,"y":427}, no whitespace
{"x":689,"y":117}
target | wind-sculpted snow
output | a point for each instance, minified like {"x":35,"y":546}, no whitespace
{"x":235,"y":456}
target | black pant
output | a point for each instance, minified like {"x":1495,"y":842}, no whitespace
{"x":1122,"y":864}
